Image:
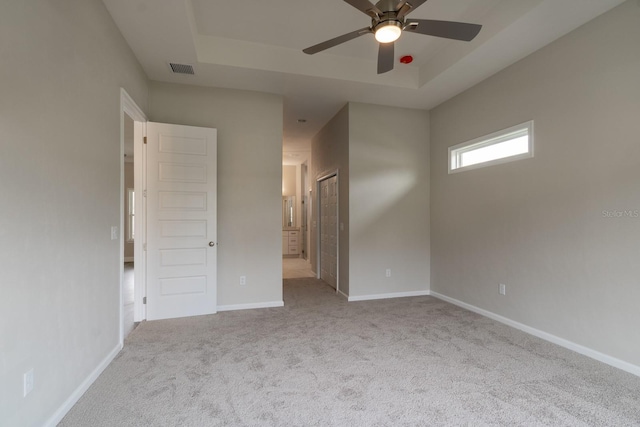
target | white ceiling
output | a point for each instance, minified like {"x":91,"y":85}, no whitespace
{"x":257,"y":45}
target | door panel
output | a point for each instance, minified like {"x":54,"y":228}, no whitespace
{"x":329,"y":231}
{"x":181,"y":221}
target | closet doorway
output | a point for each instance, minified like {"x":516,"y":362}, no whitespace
{"x":328,"y":230}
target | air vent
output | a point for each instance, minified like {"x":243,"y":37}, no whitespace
{"x":181,"y":68}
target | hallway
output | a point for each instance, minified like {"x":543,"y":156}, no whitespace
{"x":296,"y":268}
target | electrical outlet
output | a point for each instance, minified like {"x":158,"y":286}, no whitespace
{"x":503,"y":289}
{"x":243,"y":280}
{"x":28,"y":382}
{"x":114,"y":232}
{"x":388,"y":272}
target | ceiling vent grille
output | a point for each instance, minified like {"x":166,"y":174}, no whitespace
{"x":181,"y":68}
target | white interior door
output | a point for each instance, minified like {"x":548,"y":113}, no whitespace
{"x":329,"y":231}
{"x":181,"y":221}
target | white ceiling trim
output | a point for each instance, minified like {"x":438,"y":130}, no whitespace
{"x":239,"y":53}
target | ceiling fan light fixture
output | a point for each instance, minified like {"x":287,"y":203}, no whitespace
{"x":389,"y":31}
{"x":388,"y":22}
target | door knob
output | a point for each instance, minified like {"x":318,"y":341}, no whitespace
{"x":211,"y":244}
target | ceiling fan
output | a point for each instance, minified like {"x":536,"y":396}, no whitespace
{"x":388,"y":21}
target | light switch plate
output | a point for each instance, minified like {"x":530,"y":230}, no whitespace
{"x":28,"y":382}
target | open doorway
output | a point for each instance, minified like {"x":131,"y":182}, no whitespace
{"x":128,"y":280}
{"x":295,"y":213}
{"x":132,"y":261}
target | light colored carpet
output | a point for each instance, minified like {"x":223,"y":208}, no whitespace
{"x":321,"y":361}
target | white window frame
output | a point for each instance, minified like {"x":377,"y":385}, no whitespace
{"x":130,"y":215}
{"x":456,"y":151}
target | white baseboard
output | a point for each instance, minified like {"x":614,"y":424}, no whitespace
{"x":389,"y":295}
{"x":233,"y":307}
{"x":84,"y":386}
{"x":128,"y":259}
{"x":586,"y":351}
{"x":343,"y":294}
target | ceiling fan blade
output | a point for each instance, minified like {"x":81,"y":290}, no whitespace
{"x":336,"y":41}
{"x":445,"y":29}
{"x":407,"y":6}
{"x":386,"y":56}
{"x":365,"y":6}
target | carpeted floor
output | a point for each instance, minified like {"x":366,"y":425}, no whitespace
{"x":321,"y":361}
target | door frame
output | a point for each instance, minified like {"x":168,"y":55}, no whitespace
{"x":129,"y":107}
{"x":326,"y":176}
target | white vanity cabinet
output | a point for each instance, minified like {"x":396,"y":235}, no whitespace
{"x":290,"y":239}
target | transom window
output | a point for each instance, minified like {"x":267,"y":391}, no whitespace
{"x":507,"y":145}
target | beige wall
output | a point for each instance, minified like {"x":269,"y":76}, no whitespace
{"x":249,"y":128}
{"x":330,"y":153}
{"x":389,"y":200}
{"x":289,"y":180}
{"x":60,"y":190}
{"x":539,"y":225}
{"x":383,"y":197}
